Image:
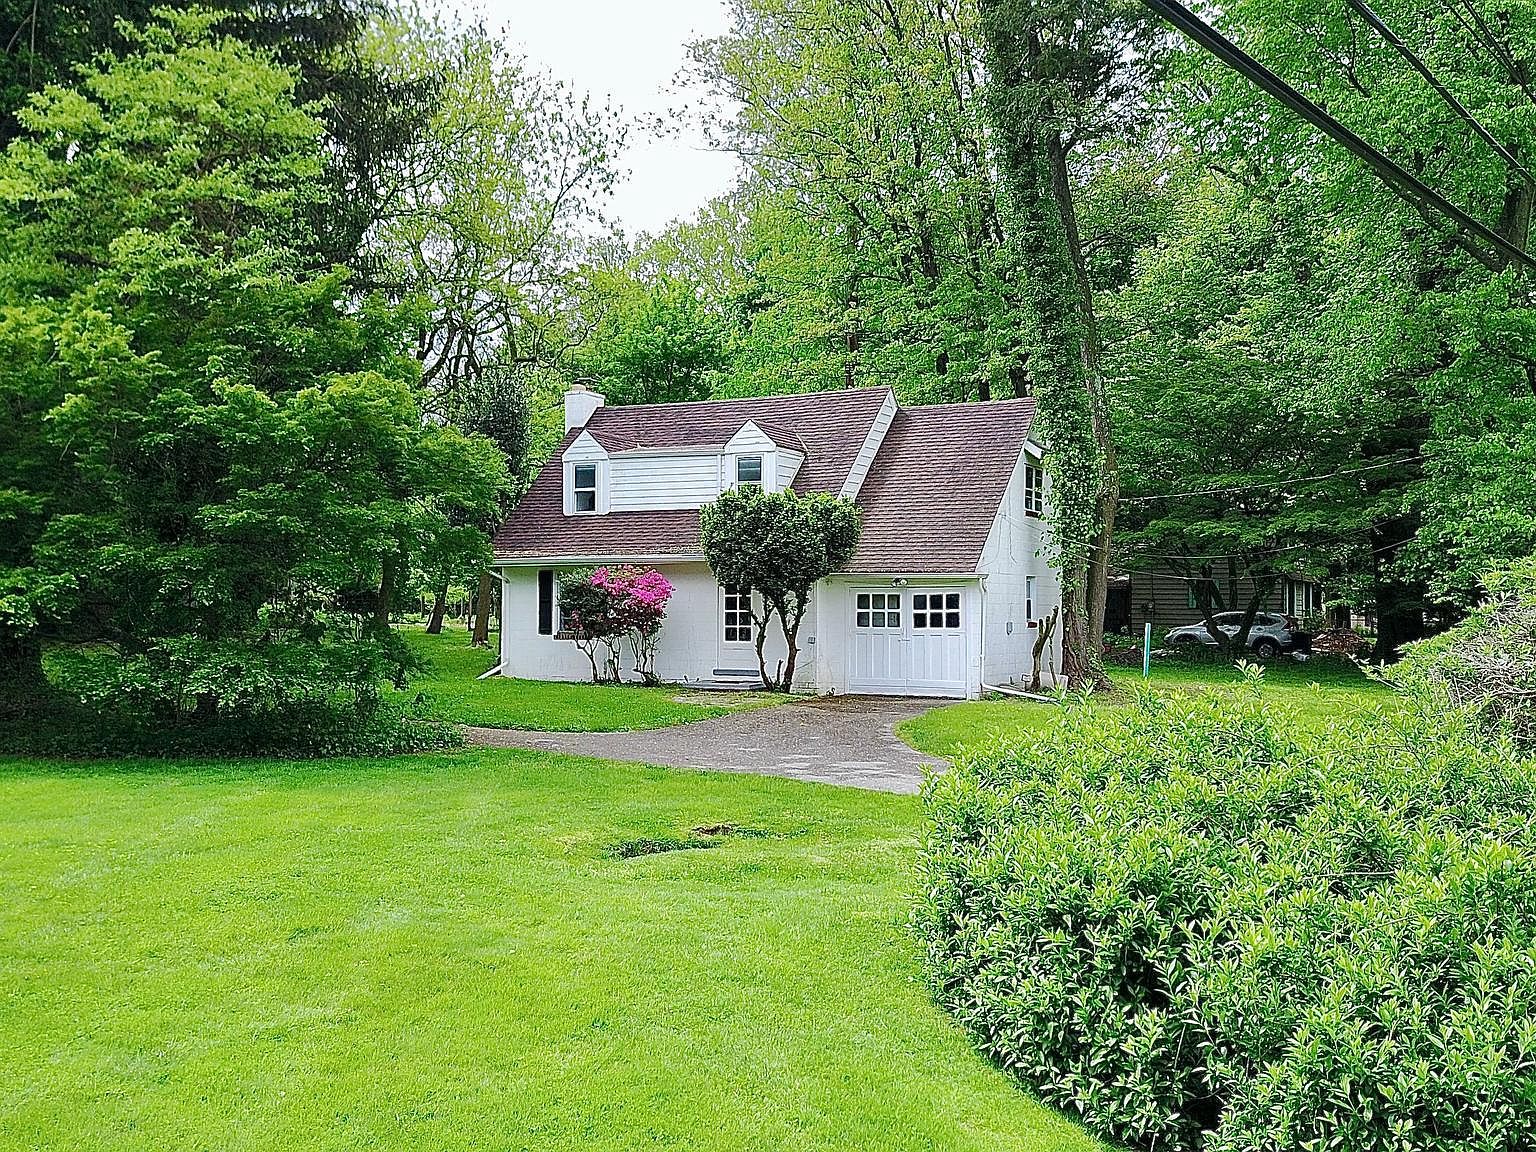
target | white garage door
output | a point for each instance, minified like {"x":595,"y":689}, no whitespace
{"x":907,"y":641}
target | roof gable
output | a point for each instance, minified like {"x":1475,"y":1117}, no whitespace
{"x":937,"y":482}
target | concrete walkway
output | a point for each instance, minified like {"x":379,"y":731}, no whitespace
{"x":847,"y":740}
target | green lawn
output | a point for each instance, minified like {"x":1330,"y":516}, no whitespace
{"x":445,"y":952}
{"x":1313,"y":693}
{"x":547,"y":706}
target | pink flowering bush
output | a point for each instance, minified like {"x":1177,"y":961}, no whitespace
{"x":614,"y":606}
{"x":640,"y":597}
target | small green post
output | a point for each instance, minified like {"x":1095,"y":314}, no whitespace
{"x":1146,"y":651}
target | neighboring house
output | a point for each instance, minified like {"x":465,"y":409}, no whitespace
{"x":1168,"y":600}
{"x":944,"y":593}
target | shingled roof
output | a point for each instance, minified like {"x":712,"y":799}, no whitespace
{"x":929,"y":500}
{"x":828,"y":427}
{"x":938,"y":479}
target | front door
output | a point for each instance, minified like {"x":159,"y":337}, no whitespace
{"x":908,"y":641}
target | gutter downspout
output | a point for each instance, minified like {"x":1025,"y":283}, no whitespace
{"x":981,"y":653}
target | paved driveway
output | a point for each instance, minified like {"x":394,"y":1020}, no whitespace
{"x":831,"y":739}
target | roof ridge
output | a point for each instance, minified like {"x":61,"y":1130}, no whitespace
{"x":741,"y":399}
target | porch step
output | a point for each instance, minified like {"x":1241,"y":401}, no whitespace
{"x":728,"y":673}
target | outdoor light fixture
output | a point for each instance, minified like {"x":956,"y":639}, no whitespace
{"x":899,"y":582}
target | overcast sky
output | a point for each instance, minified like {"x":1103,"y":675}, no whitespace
{"x":629,"y":52}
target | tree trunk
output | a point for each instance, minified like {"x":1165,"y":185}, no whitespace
{"x":1064,"y":356}
{"x":439,"y":609}
{"x":482,"y":635}
{"x":791,"y":635}
{"x":1097,"y":594}
{"x":388,"y":579}
{"x":1399,"y":603}
{"x":1042,"y":642}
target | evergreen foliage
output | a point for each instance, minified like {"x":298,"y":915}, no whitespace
{"x":1199,"y":925}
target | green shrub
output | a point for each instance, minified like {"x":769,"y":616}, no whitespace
{"x":66,"y":727}
{"x":1198,"y":926}
{"x":1487,"y":663}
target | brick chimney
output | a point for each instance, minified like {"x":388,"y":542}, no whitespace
{"x":580,"y":403}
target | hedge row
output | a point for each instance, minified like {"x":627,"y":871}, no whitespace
{"x":1196,"y":927}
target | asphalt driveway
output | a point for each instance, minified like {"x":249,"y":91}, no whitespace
{"x":847,"y":740}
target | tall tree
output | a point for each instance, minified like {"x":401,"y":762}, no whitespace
{"x":1059,"y":74}
{"x":215,"y":457}
{"x":1428,"y":328}
{"x":484,"y":213}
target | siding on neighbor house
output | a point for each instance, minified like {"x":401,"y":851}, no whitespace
{"x":692,"y":640}
{"x":1016,"y":549}
{"x":1163,"y":598}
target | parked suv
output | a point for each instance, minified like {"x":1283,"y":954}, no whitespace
{"x":1270,"y":635}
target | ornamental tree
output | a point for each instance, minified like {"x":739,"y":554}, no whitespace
{"x":778,"y":545}
{"x":640,"y":597}
{"x":612,"y":606}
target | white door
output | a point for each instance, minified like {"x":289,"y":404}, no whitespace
{"x":907,"y":641}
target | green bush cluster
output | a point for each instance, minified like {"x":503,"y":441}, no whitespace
{"x":1198,"y":926}
{"x":1487,"y":662}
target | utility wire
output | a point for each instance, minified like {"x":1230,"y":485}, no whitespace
{"x":1395,"y":176}
{"x":1444,"y":93}
{"x":1223,"y":491}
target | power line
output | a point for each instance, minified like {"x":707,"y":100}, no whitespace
{"x":1395,"y":176}
{"x":1222,"y":491}
{"x":1423,"y":69}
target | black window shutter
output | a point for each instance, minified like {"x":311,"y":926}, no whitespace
{"x":546,"y":602}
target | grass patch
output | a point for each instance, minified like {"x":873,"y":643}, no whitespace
{"x":549,"y":706}
{"x":438,"y":952}
{"x":1317,"y":692}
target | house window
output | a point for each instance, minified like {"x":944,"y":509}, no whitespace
{"x":878,"y":610}
{"x":584,"y":488}
{"x":546,"y":602}
{"x":936,"y":610}
{"x":1034,"y":490}
{"x":1029,"y":598}
{"x":736,"y":616}
{"x":749,"y":471}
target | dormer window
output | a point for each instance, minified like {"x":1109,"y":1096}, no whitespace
{"x":584,"y":488}
{"x":749,"y":472}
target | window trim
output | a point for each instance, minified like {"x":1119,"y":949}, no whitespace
{"x":951,"y":610}
{"x":864,"y":605}
{"x":576,"y":490}
{"x":726,"y":592}
{"x":1034,"y":490}
{"x":738,"y":482}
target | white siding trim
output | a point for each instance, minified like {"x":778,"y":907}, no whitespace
{"x":870,"y":448}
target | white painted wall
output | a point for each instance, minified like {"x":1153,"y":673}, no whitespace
{"x":872,"y":441}
{"x":676,"y":480}
{"x":1017,"y":547}
{"x":692,"y":642}
{"x":789,"y":465}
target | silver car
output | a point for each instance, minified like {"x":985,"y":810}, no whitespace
{"x":1270,"y":635}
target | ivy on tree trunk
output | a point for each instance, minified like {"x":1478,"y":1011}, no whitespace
{"x":1063,"y":349}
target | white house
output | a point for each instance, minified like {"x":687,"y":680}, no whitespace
{"x":949,"y":584}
